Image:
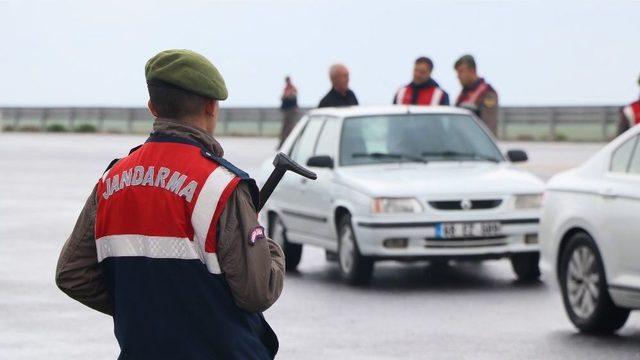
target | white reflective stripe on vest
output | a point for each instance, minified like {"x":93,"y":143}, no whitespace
{"x":400,"y":95}
{"x":476,"y":94}
{"x":630,"y":115}
{"x":204,"y":209}
{"x":156,"y":247}
{"x":437,"y":96}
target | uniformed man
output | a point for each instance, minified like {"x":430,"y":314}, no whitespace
{"x":340,"y":94}
{"x":168,"y":242}
{"x":629,"y":115}
{"x":422,"y":90}
{"x":477,"y":95}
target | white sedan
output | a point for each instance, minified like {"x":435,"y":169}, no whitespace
{"x":404,"y":183}
{"x":590,"y":235}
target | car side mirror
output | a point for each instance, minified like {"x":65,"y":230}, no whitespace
{"x":320,"y":161}
{"x":517,"y":156}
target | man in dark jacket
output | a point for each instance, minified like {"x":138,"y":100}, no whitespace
{"x":423,"y":90}
{"x":340,"y":94}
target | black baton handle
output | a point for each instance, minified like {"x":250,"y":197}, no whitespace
{"x":282,"y":164}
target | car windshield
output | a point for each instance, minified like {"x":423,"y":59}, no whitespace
{"x":415,"y":138}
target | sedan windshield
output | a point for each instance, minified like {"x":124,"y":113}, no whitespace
{"x":414,"y":138}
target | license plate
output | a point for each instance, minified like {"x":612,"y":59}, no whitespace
{"x":468,"y":230}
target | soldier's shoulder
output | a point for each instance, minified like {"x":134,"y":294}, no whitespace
{"x":225,"y":163}
{"x":490,"y":98}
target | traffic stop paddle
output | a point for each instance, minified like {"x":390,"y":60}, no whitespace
{"x":282,"y":164}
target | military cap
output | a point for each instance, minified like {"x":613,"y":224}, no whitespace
{"x":187,"y":70}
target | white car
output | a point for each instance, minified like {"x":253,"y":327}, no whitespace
{"x":590,"y":235}
{"x":404,"y":183}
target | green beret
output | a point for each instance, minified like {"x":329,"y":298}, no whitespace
{"x":186,"y":70}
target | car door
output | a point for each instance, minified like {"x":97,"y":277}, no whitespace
{"x":318,"y":195}
{"x":294,"y":211}
{"x":620,"y":199}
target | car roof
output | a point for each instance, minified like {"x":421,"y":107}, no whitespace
{"x":349,"y":111}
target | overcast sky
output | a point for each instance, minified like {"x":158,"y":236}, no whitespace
{"x":534,"y":53}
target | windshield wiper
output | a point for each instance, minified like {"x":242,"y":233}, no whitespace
{"x":450,"y":153}
{"x":380,"y":155}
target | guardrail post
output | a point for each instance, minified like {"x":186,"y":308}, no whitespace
{"x":552,"y":124}
{"x":72,"y":118}
{"x":261,"y":116}
{"x":605,"y":124}
{"x":130,"y":119}
{"x":43,"y":119}
{"x":227,"y":119}
{"x":16,"y":119}
{"x":101,"y":114}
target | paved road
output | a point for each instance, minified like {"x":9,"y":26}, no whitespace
{"x":467,"y":311}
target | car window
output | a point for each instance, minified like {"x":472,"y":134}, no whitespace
{"x":634,"y":164}
{"x":328,"y":139}
{"x":303,"y":148}
{"x":415,"y":137}
{"x":621,"y":156}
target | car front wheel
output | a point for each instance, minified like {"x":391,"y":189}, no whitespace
{"x":292,"y":252}
{"x":584,"y":288}
{"x":355,"y":268}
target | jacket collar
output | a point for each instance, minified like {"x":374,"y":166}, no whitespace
{"x":429,"y":83}
{"x":170,"y":127}
{"x":474,"y":85}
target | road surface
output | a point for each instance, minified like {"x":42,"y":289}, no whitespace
{"x":467,"y":311}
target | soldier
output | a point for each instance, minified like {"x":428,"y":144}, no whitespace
{"x":168,"y":242}
{"x":477,"y":95}
{"x":629,"y":116}
{"x":423,"y":90}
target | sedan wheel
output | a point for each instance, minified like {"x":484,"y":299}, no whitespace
{"x":584,"y":288}
{"x":583,"y":282}
{"x":292,"y":252}
{"x":355,"y":268}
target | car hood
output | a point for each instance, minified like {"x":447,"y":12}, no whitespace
{"x":441,"y":179}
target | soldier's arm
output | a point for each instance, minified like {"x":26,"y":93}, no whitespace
{"x":254,"y":271}
{"x":488,"y":110}
{"x":78,"y":273}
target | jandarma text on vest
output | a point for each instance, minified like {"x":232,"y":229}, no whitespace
{"x":141,"y":176}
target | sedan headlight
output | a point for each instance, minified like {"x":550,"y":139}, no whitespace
{"x":528,"y":201}
{"x":396,"y":205}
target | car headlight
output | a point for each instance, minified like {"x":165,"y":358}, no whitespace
{"x":396,"y":205}
{"x":528,"y":201}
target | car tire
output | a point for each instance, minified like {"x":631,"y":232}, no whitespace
{"x":526,"y":266}
{"x":355,"y":268}
{"x":292,"y":252}
{"x":584,"y":288}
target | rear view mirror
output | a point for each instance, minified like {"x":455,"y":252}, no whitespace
{"x":517,"y":156}
{"x":320,"y":161}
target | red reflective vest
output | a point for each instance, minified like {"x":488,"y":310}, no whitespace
{"x":167,"y":197}
{"x":156,"y":239}
{"x":632,"y":113}
{"x":432,"y":95}
{"x":470,"y":99}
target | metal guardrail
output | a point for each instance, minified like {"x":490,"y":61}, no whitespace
{"x":571,"y":123}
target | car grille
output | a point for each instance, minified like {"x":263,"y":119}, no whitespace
{"x":466,"y":242}
{"x":457,"y":204}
